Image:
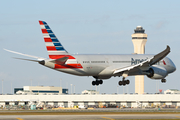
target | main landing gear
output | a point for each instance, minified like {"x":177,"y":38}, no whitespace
{"x":124,"y":82}
{"x":97,"y":82}
{"x":163,"y":80}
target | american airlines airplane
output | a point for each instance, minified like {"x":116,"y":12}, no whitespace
{"x":102,"y":66}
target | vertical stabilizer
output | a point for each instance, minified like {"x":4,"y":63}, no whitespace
{"x":54,"y":47}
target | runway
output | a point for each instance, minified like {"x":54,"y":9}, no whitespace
{"x":90,"y":117}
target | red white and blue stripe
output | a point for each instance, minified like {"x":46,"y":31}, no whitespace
{"x":54,"y":47}
{"x":56,"y":50}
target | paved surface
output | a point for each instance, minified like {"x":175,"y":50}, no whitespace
{"x":90,"y":117}
{"x":104,"y":109}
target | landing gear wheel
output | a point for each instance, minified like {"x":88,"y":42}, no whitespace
{"x":163,"y":80}
{"x":97,"y":82}
{"x":127,"y":82}
{"x":100,"y":82}
{"x":124,"y":83}
{"x":93,"y":83}
{"x":120,"y":83}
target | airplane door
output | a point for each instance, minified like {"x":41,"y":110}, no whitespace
{"x":78,"y":64}
{"x":107,"y":61}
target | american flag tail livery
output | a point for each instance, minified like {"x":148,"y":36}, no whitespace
{"x":59,"y":58}
{"x":54,"y":47}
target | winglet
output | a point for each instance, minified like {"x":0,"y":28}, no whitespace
{"x":160,"y":56}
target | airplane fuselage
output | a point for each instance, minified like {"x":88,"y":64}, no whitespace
{"x":103,"y":66}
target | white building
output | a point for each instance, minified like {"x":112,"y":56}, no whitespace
{"x":128,"y":100}
{"x":172,"y":91}
{"x":42,"y":90}
{"x":89,"y":92}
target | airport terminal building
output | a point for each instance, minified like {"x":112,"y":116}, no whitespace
{"x":65,"y":100}
{"x":56,"y":96}
{"x":40,"y":90}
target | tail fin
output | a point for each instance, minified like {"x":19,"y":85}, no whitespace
{"x":54,"y":47}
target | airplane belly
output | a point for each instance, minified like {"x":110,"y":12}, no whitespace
{"x":107,"y":71}
{"x":79,"y":72}
{"x":93,"y":70}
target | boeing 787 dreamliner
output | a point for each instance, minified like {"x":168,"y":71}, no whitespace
{"x":102,"y":66}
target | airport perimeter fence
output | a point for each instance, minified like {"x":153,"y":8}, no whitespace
{"x":36,"y":107}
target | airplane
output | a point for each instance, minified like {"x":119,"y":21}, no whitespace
{"x":102,"y":66}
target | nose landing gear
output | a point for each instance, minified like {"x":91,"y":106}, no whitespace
{"x":163,"y":80}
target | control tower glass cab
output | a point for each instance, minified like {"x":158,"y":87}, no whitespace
{"x":139,"y":29}
{"x":139,"y":39}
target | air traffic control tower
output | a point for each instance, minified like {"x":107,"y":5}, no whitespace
{"x":139,"y":39}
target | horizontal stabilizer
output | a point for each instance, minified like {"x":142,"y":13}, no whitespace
{"x":27,"y":59}
{"x":39,"y":58}
{"x":60,"y":61}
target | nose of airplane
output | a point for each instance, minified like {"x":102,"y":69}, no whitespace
{"x":172,"y":65}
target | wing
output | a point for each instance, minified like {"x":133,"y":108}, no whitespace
{"x":146,"y":63}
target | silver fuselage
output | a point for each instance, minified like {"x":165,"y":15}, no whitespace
{"x":103,"y":66}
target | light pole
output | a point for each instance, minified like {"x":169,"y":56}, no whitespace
{"x":96,"y":89}
{"x":2,"y":87}
{"x":127,"y":89}
{"x":31,"y":82}
{"x":74,"y":89}
{"x":99,"y":89}
{"x":67,"y":86}
{"x":71,"y":88}
{"x":117,"y":89}
{"x":11,"y":87}
{"x":91,"y":87}
{"x":158,"y":85}
{"x":123,"y":89}
{"x":60,"y":83}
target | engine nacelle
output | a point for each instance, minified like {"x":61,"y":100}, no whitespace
{"x":157,"y":72}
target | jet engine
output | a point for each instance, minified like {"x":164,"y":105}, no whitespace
{"x":157,"y":72}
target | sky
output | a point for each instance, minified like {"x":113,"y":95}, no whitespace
{"x":85,"y":27}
